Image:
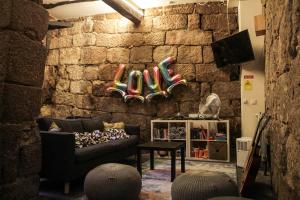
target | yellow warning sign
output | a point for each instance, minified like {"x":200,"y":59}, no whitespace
{"x":248,"y":85}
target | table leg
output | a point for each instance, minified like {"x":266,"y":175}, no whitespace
{"x":182,"y":154}
{"x":173,"y":165}
{"x":138,"y":161}
{"x":151,"y":159}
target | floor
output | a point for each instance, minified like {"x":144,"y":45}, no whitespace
{"x":156,"y":183}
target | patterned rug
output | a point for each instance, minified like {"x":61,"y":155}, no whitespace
{"x":157,"y":184}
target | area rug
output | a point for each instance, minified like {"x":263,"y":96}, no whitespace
{"x":157,"y":184}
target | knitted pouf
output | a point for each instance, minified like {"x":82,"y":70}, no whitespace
{"x":202,"y":185}
{"x":229,"y":198}
{"x":113,"y":182}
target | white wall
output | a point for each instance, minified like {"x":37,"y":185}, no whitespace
{"x":252,"y":102}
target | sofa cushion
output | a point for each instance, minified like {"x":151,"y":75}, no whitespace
{"x":69,"y":125}
{"x":44,"y":123}
{"x":98,"y":150}
{"x":91,"y":124}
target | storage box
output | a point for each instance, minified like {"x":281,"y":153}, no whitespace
{"x":217,"y":150}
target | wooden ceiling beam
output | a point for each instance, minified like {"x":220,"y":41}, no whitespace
{"x":126,"y":9}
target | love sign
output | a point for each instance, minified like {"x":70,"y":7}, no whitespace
{"x":134,"y":88}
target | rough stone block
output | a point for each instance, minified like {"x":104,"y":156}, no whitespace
{"x":142,"y":120}
{"x":65,"y":98}
{"x":80,"y":87}
{"x":227,"y":109}
{"x":135,"y":107}
{"x":193,"y":37}
{"x":62,"y":71}
{"x":210,"y":73}
{"x":65,"y":41}
{"x":27,"y":186}
{"x":193,"y":21}
{"x":84,"y":102}
{"x":191,"y":92}
{"x":219,"y":22}
{"x":108,"y":40}
{"x":141,"y":54}
{"x":188,"y":107}
{"x":153,"y":12}
{"x":30,"y":159}
{"x":6,"y":9}
{"x":208,"y":55}
{"x":81,"y":112}
{"x":63,"y":85}
{"x":155,"y":38}
{"x":84,"y":39}
{"x":131,"y":39}
{"x":52,"y":42}
{"x":9,"y":152}
{"x":62,"y":111}
{"x":179,"y":9}
{"x":99,"y":88}
{"x":189,"y":54}
{"x":227,"y":90}
{"x":53,"y":57}
{"x":21,"y":103}
{"x":107,"y":72}
{"x":105,"y":26}
{"x":205,"y":89}
{"x":208,"y":8}
{"x":47,"y":110}
{"x":30,"y":18}
{"x":145,"y":26}
{"x":4,"y":51}
{"x":75,"y":72}
{"x":91,"y":73}
{"x":167,"y":108}
{"x":170,"y":22}
{"x":125,"y":25}
{"x":69,"y":55}
{"x":75,"y":29}
{"x":163,"y":52}
{"x":88,"y":25}
{"x":93,"y":55}
{"x":116,"y":104}
{"x":1,"y":97}
{"x":220,"y":34}
{"x":187,"y":71}
{"x":118,"y":55}
{"x":26,"y":67}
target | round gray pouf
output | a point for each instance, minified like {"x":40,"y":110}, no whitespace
{"x":202,"y":185}
{"x":113,"y":182}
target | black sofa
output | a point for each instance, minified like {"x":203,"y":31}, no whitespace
{"x":61,"y":161}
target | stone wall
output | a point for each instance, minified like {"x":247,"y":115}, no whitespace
{"x":82,"y":61}
{"x":23,"y":25}
{"x":283,"y":94}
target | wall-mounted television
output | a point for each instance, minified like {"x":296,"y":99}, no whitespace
{"x":234,"y":49}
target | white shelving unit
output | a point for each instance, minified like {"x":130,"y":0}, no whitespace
{"x":207,"y":140}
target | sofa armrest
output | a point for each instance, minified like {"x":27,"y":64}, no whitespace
{"x":131,"y":129}
{"x":58,"y":152}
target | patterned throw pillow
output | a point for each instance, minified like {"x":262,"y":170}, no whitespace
{"x":87,"y":139}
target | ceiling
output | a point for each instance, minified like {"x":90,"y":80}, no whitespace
{"x":75,"y":10}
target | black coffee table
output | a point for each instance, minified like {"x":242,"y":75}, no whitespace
{"x":162,"y":146}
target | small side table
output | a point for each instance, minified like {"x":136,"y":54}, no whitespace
{"x":162,"y":146}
